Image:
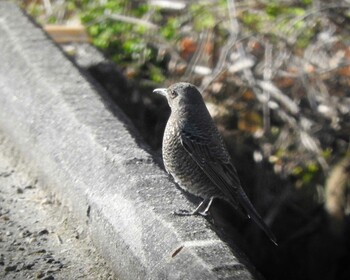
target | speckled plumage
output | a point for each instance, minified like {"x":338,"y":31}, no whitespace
{"x":195,"y":155}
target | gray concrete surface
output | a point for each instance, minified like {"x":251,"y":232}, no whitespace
{"x":66,"y":133}
{"x":37,"y":239}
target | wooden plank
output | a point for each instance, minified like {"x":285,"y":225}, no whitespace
{"x":67,"y":33}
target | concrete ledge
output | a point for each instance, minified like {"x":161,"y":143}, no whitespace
{"x":85,"y":152}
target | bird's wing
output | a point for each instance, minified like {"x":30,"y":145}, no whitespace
{"x":213,"y":159}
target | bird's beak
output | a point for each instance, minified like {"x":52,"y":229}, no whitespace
{"x":161,"y":91}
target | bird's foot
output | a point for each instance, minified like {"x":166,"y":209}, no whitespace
{"x":206,"y":203}
{"x":183,"y":212}
{"x":202,"y":213}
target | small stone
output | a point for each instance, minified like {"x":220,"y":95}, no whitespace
{"x":6,"y":174}
{"x":37,"y":252}
{"x":39,"y":275}
{"x":10,"y":268}
{"x":5,"y":218}
{"x":46,"y":201}
{"x":31,"y":240}
{"x":50,"y":260}
{"x":41,"y":251}
{"x":19,"y":190}
{"x":29,"y":266}
{"x":42,"y":232}
{"x":25,"y":233}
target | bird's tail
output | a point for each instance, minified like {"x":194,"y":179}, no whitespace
{"x":252,"y":213}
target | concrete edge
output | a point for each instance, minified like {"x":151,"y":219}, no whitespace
{"x":84,"y":152}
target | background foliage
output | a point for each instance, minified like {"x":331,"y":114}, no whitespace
{"x":285,"y":64}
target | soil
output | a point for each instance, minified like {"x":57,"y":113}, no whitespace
{"x":37,"y":239}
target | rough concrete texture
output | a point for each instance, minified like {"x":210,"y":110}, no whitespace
{"x":77,"y":143}
{"x":37,"y":238}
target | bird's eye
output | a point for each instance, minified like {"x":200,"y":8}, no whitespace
{"x":173,"y":94}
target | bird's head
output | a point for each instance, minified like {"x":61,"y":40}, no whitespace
{"x":181,"y":96}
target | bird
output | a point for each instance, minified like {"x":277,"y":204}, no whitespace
{"x":195,"y":155}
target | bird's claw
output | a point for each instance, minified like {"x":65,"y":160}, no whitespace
{"x":202,"y":213}
{"x":182,"y":212}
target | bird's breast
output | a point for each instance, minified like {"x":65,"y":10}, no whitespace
{"x":179,"y":163}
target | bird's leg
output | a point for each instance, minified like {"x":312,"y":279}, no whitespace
{"x":206,"y":202}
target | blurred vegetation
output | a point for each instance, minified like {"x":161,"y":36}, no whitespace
{"x":275,"y":76}
{"x":282,"y":67}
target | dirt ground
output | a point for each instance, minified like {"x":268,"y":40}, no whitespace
{"x":36,"y":239}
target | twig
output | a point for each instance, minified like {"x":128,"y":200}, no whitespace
{"x":132,"y":20}
{"x":267,"y":77}
{"x":198,"y":54}
{"x":234,"y":27}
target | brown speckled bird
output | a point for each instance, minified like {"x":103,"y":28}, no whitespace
{"x":195,"y":155}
